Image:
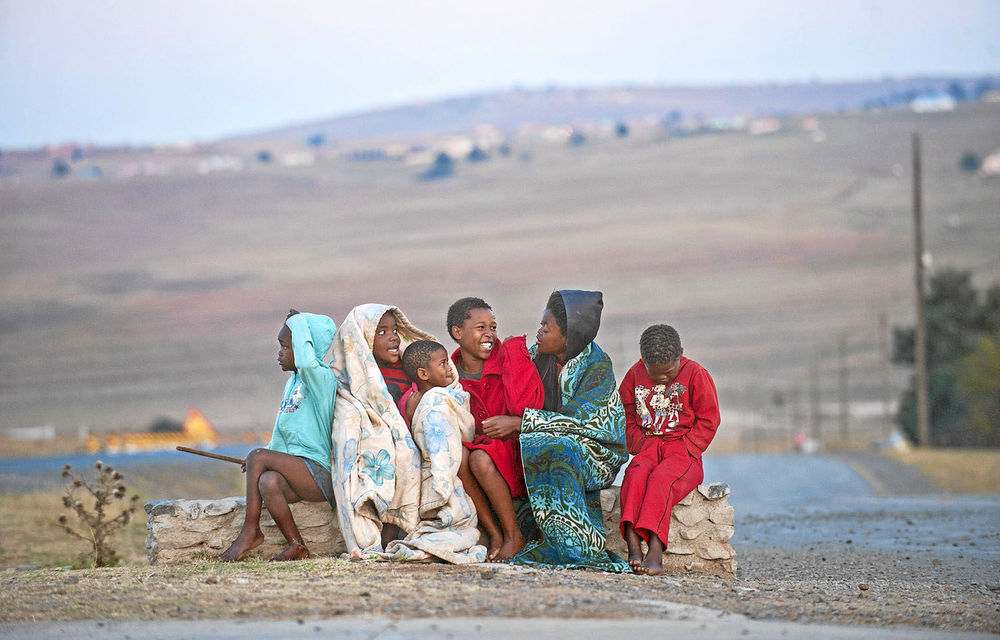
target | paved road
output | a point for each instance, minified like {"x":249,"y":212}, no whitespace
{"x":684,"y":621}
{"x":795,"y":501}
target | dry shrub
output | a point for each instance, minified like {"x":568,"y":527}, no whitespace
{"x":97,"y":525}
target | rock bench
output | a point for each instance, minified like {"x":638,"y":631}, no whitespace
{"x":188,"y":530}
{"x":700,"y":528}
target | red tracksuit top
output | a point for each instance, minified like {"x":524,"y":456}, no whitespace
{"x":509,"y":383}
{"x":686,"y":408}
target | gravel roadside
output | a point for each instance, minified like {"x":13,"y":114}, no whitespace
{"x":824,"y":584}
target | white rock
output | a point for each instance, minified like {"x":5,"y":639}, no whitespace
{"x":722,"y":514}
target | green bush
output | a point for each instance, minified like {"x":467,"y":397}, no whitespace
{"x":957,"y":319}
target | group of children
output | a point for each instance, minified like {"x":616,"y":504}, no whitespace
{"x":670,"y":404}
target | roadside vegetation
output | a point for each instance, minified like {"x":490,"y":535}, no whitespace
{"x":31,"y":535}
{"x":961,"y":470}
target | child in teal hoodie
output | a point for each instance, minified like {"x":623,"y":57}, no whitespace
{"x":296,"y":464}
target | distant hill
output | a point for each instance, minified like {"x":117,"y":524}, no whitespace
{"x":508,"y":110}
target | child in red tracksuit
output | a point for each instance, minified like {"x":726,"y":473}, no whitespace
{"x":671,"y":415}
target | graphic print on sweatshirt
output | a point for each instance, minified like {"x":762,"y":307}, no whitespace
{"x":666,"y":407}
{"x":294,"y":401}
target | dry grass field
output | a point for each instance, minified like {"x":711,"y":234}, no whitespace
{"x":123,"y":299}
{"x":30,"y":535}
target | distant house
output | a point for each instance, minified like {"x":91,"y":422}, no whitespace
{"x":299,"y":159}
{"x":727,"y":123}
{"x":991,"y":96}
{"x":764,"y":126}
{"x":990,"y":165}
{"x":933,"y":102}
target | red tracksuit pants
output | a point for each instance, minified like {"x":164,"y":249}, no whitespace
{"x":659,"y":476}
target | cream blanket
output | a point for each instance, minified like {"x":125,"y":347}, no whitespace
{"x":447,"y":528}
{"x":376,"y":464}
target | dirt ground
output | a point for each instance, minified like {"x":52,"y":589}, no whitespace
{"x":825,"y":584}
{"x":886,"y":570}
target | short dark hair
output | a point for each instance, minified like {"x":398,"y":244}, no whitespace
{"x":458,"y":312}
{"x":660,"y":344}
{"x":418,"y":356}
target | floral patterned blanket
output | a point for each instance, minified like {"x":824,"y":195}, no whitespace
{"x":376,"y":464}
{"x":447,"y":527}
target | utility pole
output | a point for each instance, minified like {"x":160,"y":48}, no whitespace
{"x":920,"y":332}
{"x":844,"y":401}
{"x":814,"y":403}
{"x":883,"y":349}
{"x":794,"y":414}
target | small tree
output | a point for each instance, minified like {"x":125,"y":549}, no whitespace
{"x":979,"y":382}
{"x":97,"y":525}
{"x":956,"y":319}
{"x":969,"y":162}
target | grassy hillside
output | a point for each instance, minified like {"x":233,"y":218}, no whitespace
{"x":122,"y":299}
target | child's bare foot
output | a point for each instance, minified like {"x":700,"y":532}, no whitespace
{"x":496,"y":541}
{"x":294,"y":551}
{"x":511,"y":547}
{"x":634,"y":543}
{"x":242,"y":545}
{"x":652,"y":564}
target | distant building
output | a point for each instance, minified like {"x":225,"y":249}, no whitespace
{"x":991,"y":96}
{"x":727,"y":123}
{"x":933,"y":102}
{"x":990,"y":165}
{"x":764,"y":126}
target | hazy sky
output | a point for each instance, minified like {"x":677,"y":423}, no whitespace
{"x":139,"y":71}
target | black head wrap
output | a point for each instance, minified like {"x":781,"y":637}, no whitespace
{"x":583,"y":318}
{"x":578,"y":314}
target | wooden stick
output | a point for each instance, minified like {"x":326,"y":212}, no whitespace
{"x":216,"y":456}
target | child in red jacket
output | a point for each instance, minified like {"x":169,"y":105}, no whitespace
{"x":502,"y":382}
{"x":671,"y":415}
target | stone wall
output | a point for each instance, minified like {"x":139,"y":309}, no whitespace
{"x":700,"y":528}
{"x":186,"y":530}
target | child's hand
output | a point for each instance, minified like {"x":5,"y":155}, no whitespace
{"x":291,"y":312}
{"x":411,"y":404}
{"x":502,"y":427}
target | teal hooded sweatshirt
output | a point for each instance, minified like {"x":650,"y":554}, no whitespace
{"x":302,"y":427}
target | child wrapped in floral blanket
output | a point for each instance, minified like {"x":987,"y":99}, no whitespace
{"x":439,"y":418}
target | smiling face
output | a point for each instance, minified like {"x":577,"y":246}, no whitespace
{"x":663,"y":373}
{"x":286,"y":357}
{"x":385,"y":345}
{"x":438,"y":372}
{"x":477,"y":335}
{"x":550,"y":338}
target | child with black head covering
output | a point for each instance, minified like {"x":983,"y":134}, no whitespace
{"x":572,"y":447}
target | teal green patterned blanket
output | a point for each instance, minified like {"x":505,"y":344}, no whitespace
{"x":568,"y":457}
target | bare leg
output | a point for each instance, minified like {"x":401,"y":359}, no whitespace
{"x":652,"y":564}
{"x":498,"y":492}
{"x":250,"y":535}
{"x":276,"y":479}
{"x":289,"y":483}
{"x":634,"y":542}
{"x":483,"y":509}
